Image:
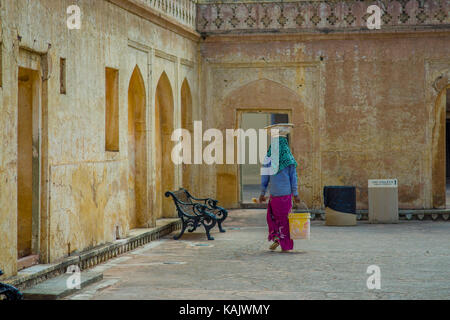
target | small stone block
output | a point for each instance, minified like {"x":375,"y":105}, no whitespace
{"x":57,"y":288}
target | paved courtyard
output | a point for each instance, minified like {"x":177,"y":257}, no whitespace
{"x":413,"y":257}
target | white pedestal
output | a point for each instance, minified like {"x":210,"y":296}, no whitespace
{"x":383,"y":201}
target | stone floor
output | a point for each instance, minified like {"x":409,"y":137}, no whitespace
{"x":413,"y":257}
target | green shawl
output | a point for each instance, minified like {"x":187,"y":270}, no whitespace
{"x":285,"y":158}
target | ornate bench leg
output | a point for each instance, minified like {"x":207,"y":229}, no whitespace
{"x":208,"y":226}
{"x":222,"y":215}
{"x":183,"y":228}
{"x":207,"y":233}
{"x":219,"y":222}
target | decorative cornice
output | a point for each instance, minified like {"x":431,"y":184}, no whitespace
{"x":323,"y":16}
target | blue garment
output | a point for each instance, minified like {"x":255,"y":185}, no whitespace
{"x":282,"y":184}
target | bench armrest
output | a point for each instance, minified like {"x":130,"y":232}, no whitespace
{"x":198,"y":209}
{"x":208,"y":201}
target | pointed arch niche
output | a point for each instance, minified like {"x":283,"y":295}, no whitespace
{"x":165,"y":169}
{"x":137,"y":151}
{"x":187,"y":123}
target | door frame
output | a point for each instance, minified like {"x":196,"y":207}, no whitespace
{"x":239,"y":113}
{"x":38,"y":62}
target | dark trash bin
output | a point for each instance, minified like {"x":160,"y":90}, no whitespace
{"x":340,"y":205}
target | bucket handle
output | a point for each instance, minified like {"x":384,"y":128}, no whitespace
{"x":304,"y":203}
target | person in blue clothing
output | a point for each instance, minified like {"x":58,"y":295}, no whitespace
{"x":279,"y":171}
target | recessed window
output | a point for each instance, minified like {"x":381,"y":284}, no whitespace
{"x":112,"y":110}
{"x":62,"y":76}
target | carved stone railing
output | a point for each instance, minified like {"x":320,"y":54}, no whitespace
{"x":183,"y":11}
{"x":248,"y":16}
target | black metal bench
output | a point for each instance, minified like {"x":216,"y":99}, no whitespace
{"x":11,"y":293}
{"x":220,"y":213}
{"x":194,"y":214}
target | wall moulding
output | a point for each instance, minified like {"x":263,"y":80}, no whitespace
{"x":318,"y":36}
{"x":187,"y":63}
{"x":274,"y":64}
{"x":164,"y":55}
{"x":139,"y":46}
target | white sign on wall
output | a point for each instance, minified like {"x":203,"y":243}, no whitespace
{"x":383,"y":183}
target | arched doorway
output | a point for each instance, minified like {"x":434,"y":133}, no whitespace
{"x":137,"y":155}
{"x":441,"y":152}
{"x":165,"y":169}
{"x":438,"y":84}
{"x":270,"y":97}
{"x":187,"y":123}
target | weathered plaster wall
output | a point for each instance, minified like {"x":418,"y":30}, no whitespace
{"x":84,"y":191}
{"x":361,"y":112}
{"x":8,"y":150}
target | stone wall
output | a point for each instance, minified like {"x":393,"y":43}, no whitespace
{"x":363,"y":106}
{"x":82,"y":190}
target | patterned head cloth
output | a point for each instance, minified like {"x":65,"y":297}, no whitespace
{"x":279,"y":155}
{"x":285,"y":157}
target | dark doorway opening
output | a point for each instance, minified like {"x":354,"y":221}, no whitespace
{"x":250,"y":173}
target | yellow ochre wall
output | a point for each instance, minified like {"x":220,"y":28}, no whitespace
{"x":84,"y":190}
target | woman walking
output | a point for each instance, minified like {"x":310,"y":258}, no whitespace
{"x":279,"y":170}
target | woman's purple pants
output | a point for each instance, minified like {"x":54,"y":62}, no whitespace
{"x":278,"y":210}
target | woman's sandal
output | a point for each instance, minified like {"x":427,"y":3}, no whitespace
{"x":274,"y":245}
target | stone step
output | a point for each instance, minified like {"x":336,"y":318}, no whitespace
{"x":57,"y":288}
{"x":27,"y":262}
